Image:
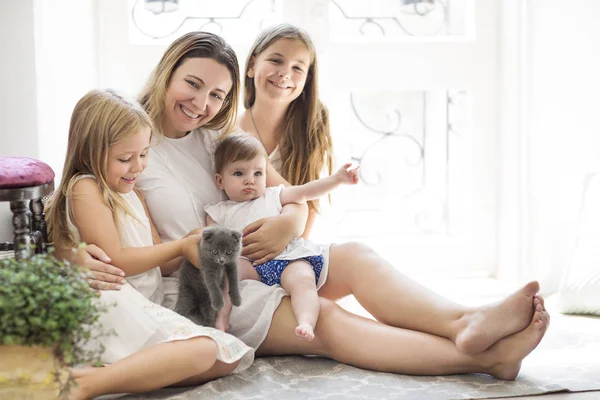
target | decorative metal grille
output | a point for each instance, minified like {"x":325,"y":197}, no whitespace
{"x":354,"y":19}
{"x":404,"y":151}
{"x":233,"y":19}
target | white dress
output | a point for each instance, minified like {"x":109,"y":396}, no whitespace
{"x":135,"y":312}
{"x":177,"y":184}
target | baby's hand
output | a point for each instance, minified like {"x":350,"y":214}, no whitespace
{"x":347,"y":175}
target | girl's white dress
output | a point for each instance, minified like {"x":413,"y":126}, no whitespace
{"x":136,"y":313}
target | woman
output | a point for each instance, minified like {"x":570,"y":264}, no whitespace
{"x":416,"y":332}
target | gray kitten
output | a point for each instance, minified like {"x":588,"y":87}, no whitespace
{"x":201,"y":290}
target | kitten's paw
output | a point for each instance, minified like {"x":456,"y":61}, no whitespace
{"x":236,"y":299}
{"x":217,"y":304}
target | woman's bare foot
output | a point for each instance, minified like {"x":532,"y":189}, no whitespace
{"x":305,"y":331}
{"x":488,"y":324}
{"x":508,"y":353}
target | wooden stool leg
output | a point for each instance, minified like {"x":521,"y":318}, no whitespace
{"x":38,"y":225}
{"x":21,"y":228}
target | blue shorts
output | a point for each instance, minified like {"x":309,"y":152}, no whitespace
{"x":270,"y":272}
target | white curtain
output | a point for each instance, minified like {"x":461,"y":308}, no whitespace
{"x":550,"y":132}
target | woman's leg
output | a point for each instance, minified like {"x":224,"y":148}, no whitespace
{"x":155,"y":367}
{"x":396,"y":300}
{"x":369,"y":344}
{"x":298,"y":279}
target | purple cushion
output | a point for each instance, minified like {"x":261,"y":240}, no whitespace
{"x":19,"y":172}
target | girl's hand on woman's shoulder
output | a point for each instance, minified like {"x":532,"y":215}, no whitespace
{"x":265,"y":238}
{"x":103,"y":276}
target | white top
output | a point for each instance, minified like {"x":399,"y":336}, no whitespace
{"x":238,"y":214}
{"x":177,"y":184}
{"x":135,"y":232}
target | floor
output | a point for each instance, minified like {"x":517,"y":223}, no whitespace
{"x":473,"y":292}
{"x":563,"y":396}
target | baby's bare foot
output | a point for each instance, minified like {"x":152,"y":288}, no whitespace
{"x":490,"y":323}
{"x":305,"y":331}
{"x":510,"y":351}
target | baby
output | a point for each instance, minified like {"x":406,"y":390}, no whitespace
{"x":240,"y":166}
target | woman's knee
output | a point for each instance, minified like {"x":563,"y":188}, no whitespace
{"x":351,"y":253}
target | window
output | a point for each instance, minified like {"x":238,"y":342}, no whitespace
{"x":411,"y":87}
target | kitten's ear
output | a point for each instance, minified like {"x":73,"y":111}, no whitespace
{"x":207,"y":234}
{"x":237,"y":235}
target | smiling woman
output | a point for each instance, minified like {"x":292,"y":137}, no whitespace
{"x":192,"y":100}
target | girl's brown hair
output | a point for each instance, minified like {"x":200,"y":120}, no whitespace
{"x":193,"y":45}
{"x":305,"y":144}
{"x":100,"y":119}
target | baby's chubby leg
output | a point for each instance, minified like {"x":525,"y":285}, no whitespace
{"x":246,"y":270}
{"x":298,"y":279}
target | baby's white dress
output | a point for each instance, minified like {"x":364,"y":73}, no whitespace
{"x":137,"y":317}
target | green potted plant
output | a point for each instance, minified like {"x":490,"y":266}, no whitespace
{"x":47,"y":316}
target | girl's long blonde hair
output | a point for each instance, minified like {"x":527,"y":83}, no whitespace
{"x":305,"y":144}
{"x":193,"y":45}
{"x":100,"y":119}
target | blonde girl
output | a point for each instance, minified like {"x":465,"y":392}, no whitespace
{"x":96,"y":202}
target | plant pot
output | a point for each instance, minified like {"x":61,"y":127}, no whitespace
{"x":29,"y":373}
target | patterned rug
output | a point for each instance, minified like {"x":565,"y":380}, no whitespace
{"x":568,"y":359}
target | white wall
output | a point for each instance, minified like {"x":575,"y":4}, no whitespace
{"x":18,"y":90}
{"x":48,"y":50}
{"x":565,"y":128}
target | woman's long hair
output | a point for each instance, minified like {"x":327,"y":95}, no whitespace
{"x":193,"y":45}
{"x":100,"y":119}
{"x":305,"y":144}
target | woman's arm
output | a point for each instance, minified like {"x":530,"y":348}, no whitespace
{"x":104,"y":275}
{"x":267,"y":237}
{"x":94,"y":220}
{"x":310,"y":221}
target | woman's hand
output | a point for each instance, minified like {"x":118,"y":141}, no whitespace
{"x":103,"y":276}
{"x":266,"y":238}
{"x":189,"y":248}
